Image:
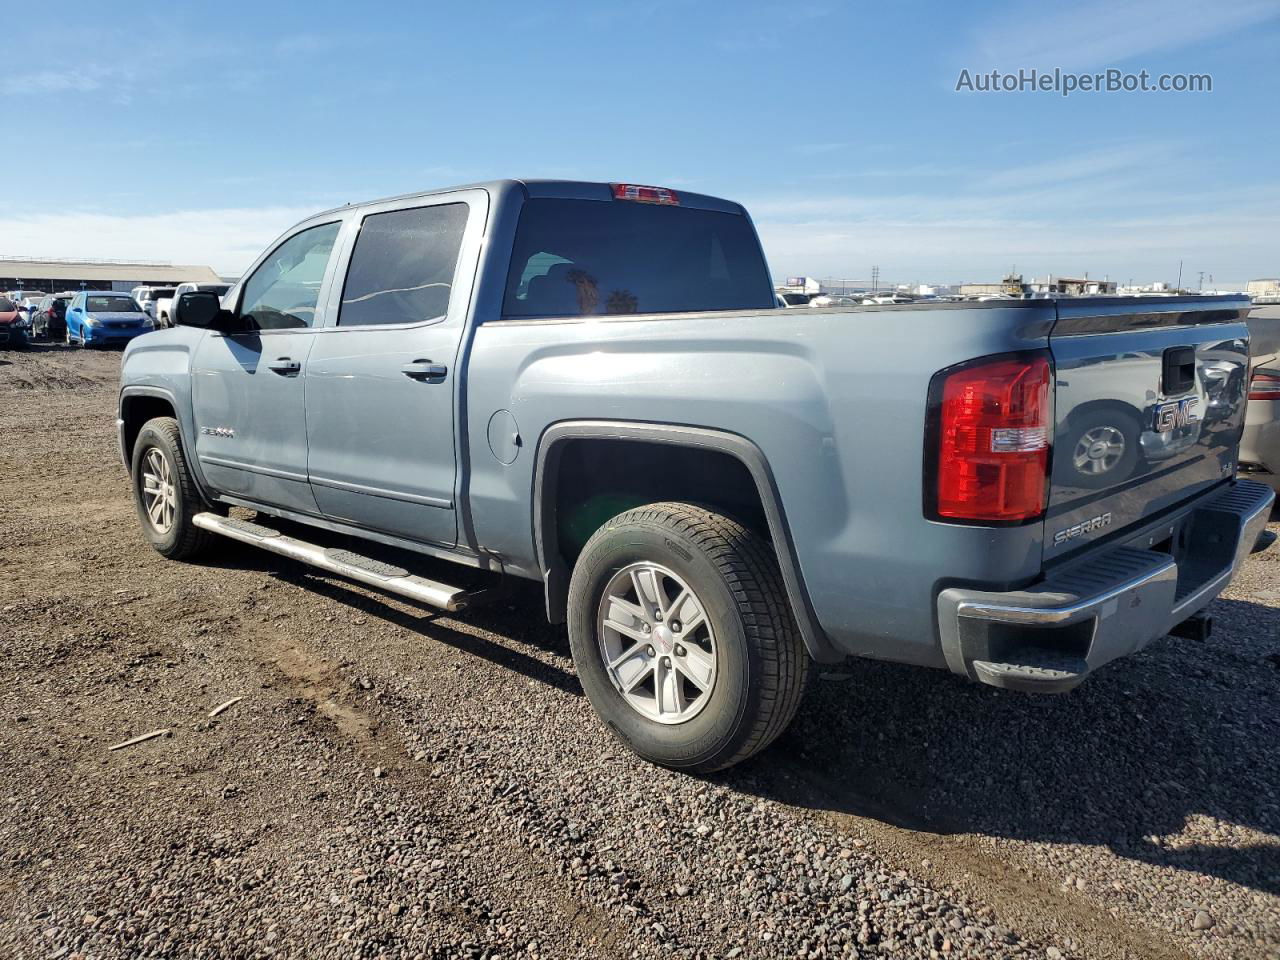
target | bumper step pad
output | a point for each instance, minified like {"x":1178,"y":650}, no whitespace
{"x":1040,"y":670}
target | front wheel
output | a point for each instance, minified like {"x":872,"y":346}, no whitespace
{"x":164,"y":492}
{"x":683,"y":638}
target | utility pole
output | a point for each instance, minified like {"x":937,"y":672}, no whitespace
{"x":1200,"y":288}
{"x":1178,"y":286}
{"x":875,"y":279}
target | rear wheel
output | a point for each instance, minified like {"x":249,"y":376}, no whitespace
{"x":683,"y":638}
{"x":164,"y":492}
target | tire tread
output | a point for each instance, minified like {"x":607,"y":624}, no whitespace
{"x":750,"y":568}
{"x":192,"y":540}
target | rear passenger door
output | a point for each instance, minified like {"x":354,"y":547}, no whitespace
{"x":382,"y":380}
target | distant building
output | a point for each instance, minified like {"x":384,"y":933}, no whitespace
{"x":1073,"y":287}
{"x":1010,"y":286}
{"x":807,"y":285}
{"x":1264,"y":291}
{"x":53,"y":275}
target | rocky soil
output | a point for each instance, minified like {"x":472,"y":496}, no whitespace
{"x":397,"y":783}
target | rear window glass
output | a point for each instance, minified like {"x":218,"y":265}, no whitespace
{"x":7,"y":305}
{"x":592,"y":257}
{"x":402,"y":267}
{"x":111,"y":305}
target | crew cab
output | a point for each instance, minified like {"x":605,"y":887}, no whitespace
{"x":590,"y":385}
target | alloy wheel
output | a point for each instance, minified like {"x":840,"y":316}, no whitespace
{"x":657,"y":643}
{"x":159,"y":497}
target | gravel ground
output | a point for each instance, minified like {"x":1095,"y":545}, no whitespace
{"x":396,"y":783}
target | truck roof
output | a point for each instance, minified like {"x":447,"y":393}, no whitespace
{"x":561,"y":189}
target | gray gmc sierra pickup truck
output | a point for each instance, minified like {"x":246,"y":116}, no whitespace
{"x":590,"y":385}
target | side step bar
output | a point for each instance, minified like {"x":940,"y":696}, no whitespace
{"x":344,"y":563}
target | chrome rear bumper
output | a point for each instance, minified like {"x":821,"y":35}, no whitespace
{"x":1107,"y":604}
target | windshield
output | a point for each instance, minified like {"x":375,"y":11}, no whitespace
{"x":587,"y":257}
{"x":7,"y":305}
{"x":117,"y":304}
{"x":159,"y":293}
{"x":218,"y":288}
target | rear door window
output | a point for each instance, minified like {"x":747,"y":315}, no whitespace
{"x":402,"y":266}
{"x":590,"y":257}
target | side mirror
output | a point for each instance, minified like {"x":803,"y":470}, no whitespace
{"x":199,"y":308}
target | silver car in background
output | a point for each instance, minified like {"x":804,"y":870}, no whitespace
{"x":1260,"y":445}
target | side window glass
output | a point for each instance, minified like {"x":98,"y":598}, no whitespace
{"x":283,"y":291}
{"x":402,"y":266}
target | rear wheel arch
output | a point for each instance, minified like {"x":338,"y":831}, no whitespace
{"x":742,"y":486}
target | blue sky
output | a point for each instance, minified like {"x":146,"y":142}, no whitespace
{"x":197,"y":133}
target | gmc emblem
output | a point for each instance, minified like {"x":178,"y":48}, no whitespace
{"x":1177,"y":413}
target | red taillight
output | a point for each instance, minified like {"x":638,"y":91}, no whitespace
{"x":632,"y":191}
{"x":992,"y":429}
{"x":1264,"y":386}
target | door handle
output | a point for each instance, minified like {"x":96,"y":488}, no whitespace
{"x":425,"y":370}
{"x":284,"y":366}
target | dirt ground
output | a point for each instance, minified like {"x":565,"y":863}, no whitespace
{"x":398,"y":783}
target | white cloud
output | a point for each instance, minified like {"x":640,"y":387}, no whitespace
{"x":1105,"y":211}
{"x":50,"y":81}
{"x":227,"y":239}
{"x":1106,"y":32}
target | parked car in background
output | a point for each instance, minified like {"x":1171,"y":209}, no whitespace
{"x":163,"y":305}
{"x":1260,"y":445}
{"x":101,"y":318}
{"x":49,"y":319}
{"x":23,"y":297}
{"x":12,"y":334}
{"x":794,"y":299}
{"x":146,"y":298}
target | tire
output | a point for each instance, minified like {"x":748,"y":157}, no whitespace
{"x":1111,"y":426}
{"x":180,"y":539}
{"x":164,"y":321}
{"x":761,"y":667}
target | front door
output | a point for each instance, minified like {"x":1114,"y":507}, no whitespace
{"x":247,"y":384}
{"x":380,"y":378}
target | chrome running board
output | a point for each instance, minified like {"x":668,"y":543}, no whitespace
{"x":344,"y":563}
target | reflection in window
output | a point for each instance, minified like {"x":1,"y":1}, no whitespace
{"x":402,"y":266}
{"x":283,"y":291}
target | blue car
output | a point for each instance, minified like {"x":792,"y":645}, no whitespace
{"x":102,"y":318}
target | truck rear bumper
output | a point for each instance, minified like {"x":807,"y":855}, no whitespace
{"x":1107,"y":604}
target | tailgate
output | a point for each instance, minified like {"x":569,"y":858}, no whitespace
{"x":1148,"y":408}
